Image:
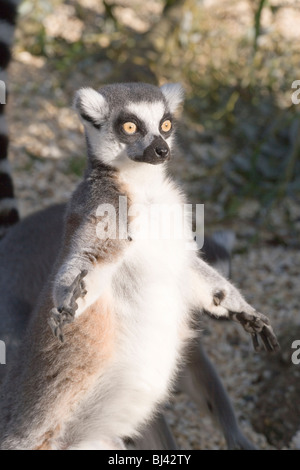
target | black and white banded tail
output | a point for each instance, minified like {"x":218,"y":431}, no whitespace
{"x":8,"y":208}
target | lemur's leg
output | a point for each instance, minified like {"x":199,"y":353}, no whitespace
{"x":199,"y":379}
{"x":220,"y":299}
{"x":155,"y":436}
{"x":201,"y":382}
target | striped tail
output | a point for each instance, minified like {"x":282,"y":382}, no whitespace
{"x":8,"y":207}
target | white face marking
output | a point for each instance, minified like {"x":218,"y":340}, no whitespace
{"x":149,"y":113}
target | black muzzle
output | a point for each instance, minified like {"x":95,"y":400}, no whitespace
{"x":157,"y":152}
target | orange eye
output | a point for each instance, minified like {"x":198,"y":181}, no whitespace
{"x":166,"y":126}
{"x":129,"y":127}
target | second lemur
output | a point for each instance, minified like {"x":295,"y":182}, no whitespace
{"x":120,"y":304}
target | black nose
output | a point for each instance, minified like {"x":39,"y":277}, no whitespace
{"x":162,"y":151}
{"x":156,"y":153}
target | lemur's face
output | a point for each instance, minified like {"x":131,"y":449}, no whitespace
{"x":129,"y":122}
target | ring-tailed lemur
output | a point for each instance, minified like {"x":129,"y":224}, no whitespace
{"x":8,"y":209}
{"x":27,"y":255}
{"x":29,"y":251}
{"x":133,"y":319}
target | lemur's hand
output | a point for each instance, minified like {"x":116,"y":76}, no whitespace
{"x":231,"y":305}
{"x":258,"y":325}
{"x":65,"y":313}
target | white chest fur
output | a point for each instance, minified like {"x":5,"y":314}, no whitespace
{"x":150,"y":300}
{"x":149,"y":291}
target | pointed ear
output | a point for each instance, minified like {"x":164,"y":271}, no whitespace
{"x":91,"y":106}
{"x":174,"y":95}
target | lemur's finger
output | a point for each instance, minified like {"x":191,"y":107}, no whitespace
{"x":79,"y":292}
{"x":265,"y":342}
{"x":55,"y":316}
{"x":256,"y":324}
{"x":79,"y":278}
{"x":274,"y":341}
{"x":59,"y":334}
{"x":83,"y":289}
{"x":265,"y":330}
{"x":255,"y":317}
{"x":252,"y":322}
{"x":68,"y":315}
{"x":255,"y":342}
{"x":264,"y":319}
{"x":78,"y":289}
{"x":55,"y":327}
{"x":269,"y":339}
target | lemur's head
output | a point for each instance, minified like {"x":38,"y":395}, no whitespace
{"x":129,"y":122}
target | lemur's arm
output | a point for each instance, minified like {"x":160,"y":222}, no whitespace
{"x":84,"y":253}
{"x":218,"y":298}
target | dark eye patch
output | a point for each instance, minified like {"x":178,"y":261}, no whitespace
{"x":123,"y":136}
{"x":166,"y":117}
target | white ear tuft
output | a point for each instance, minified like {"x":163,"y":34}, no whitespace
{"x":174,"y":94}
{"x":91,"y":106}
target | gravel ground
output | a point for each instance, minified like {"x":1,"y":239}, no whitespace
{"x":47,"y":155}
{"x":263,"y":389}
